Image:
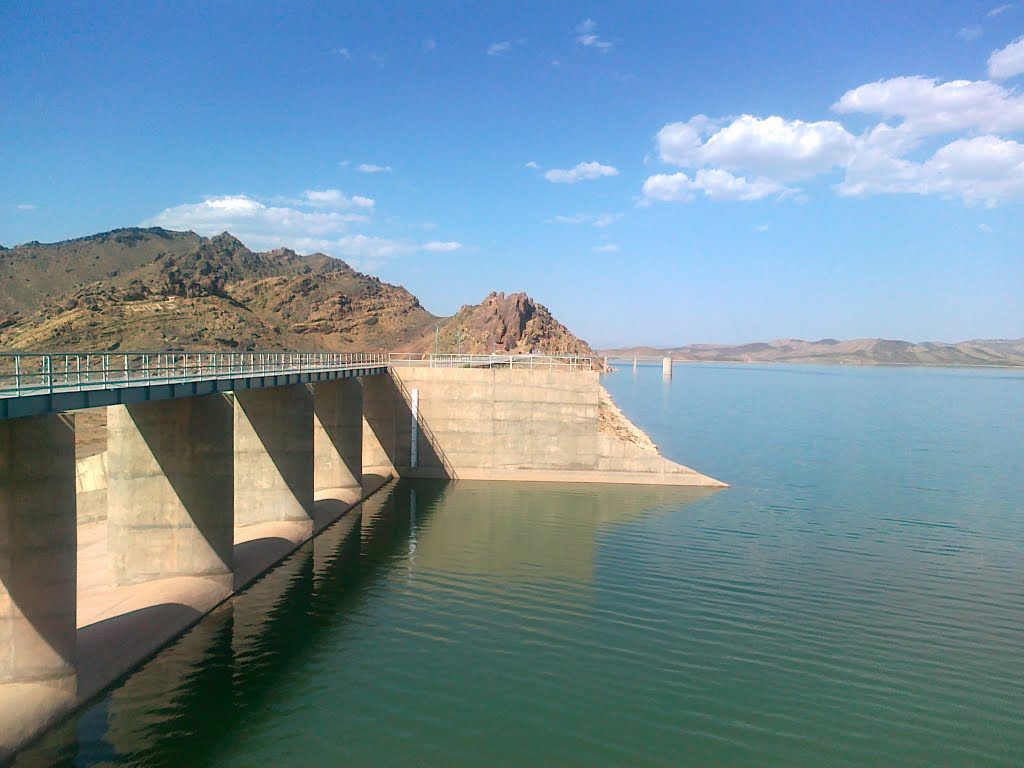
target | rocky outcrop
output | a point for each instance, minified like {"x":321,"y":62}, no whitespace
{"x":512,"y":323}
{"x":612,"y":422}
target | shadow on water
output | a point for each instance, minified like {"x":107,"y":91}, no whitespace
{"x":178,"y":708}
{"x":192,"y":702}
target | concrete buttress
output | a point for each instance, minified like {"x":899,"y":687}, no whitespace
{"x":170,"y":495}
{"x":274,"y":456}
{"x":337,"y":435}
{"x":38,"y":543}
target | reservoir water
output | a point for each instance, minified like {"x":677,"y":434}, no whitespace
{"x":856,"y":598}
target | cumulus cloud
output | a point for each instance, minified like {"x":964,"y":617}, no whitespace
{"x":442,"y":246}
{"x":317,"y":221}
{"x":970,"y":34}
{"x":580,"y":172}
{"x":371,"y":168}
{"x":1008,"y":61}
{"x":26,"y":206}
{"x":333,"y":198}
{"x":983,"y":169}
{"x":496,"y":49}
{"x":532,"y":164}
{"x":772,"y":147}
{"x":344,"y":53}
{"x":932,"y":137}
{"x":714,"y":183}
{"x":259,"y":225}
{"x":586,"y":35}
{"x":927,"y":106}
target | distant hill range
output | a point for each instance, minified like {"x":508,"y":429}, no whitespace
{"x":157,"y":289}
{"x":1002,"y":352}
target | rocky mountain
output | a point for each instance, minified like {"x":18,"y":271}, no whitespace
{"x":855,"y":352}
{"x":513,"y":323}
{"x":156,"y":289}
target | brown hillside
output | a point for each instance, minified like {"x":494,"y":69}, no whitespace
{"x":153,"y":289}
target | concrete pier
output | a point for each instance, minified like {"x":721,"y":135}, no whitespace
{"x":37,"y":574}
{"x":37,"y":549}
{"x":169,"y":494}
{"x":666,"y":367}
{"x":274,"y":456}
{"x":337,"y":436}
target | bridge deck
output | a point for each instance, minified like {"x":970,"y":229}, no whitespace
{"x":34,"y":384}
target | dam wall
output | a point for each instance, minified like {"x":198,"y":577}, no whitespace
{"x":504,"y":424}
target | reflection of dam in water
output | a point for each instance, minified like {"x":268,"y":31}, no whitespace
{"x":196,"y":695}
{"x":546,"y":532}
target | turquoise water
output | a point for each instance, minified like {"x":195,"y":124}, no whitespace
{"x":855,"y":598}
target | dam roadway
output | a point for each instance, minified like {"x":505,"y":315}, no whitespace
{"x":220,"y":464}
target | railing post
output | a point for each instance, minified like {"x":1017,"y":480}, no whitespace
{"x":49,"y":372}
{"x":17,"y":374}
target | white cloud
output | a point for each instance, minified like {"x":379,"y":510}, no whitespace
{"x":429,"y":45}
{"x":983,"y":169}
{"x":606,"y":248}
{"x":586,"y":35}
{"x":343,"y":53}
{"x":26,"y":206}
{"x":770,"y":147}
{"x":927,"y":106}
{"x":751,"y":158}
{"x":606,"y":219}
{"x":763,"y":227}
{"x":580,"y":172}
{"x":576,"y":218}
{"x":713,"y":183}
{"x":1008,"y":61}
{"x":496,"y":49}
{"x":333,"y":198}
{"x":999,"y":10}
{"x":317,"y":221}
{"x":600,"y":221}
{"x":985,"y":228}
{"x":532,"y":164}
{"x":442,"y":246}
{"x":257,"y":224}
{"x":970,"y":34}
{"x":371,"y":168}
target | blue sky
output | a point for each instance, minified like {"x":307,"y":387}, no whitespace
{"x":664,"y":174}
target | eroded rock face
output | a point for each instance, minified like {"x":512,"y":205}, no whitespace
{"x":507,"y":323}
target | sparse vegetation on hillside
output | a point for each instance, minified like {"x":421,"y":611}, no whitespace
{"x":155,"y":289}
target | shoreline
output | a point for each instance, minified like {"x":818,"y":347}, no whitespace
{"x":954,"y":366}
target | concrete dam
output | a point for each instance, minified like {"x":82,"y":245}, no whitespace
{"x":215,"y":466}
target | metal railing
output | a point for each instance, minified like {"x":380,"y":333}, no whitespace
{"x":33,"y":373}
{"x":517,"y":362}
{"x":40,"y":373}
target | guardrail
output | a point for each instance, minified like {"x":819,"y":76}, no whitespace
{"x":41,"y":373}
{"x":34,"y":373}
{"x":543,"y":362}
